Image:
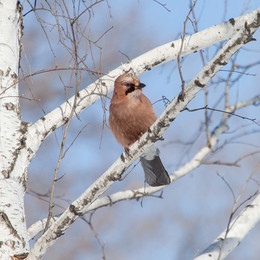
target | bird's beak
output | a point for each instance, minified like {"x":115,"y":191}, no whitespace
{"x":141,"y":85}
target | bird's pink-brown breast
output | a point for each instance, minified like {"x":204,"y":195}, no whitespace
{"x":129,"y":120}
{"x":131,"y":113}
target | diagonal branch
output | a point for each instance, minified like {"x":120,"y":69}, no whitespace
{"x":37,"y":132}
{"x":240,"y":227}
{"x":80,"y":206}
{"x":195,"y":162}
{"x":135,"y":194}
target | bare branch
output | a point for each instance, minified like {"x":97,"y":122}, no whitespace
{"x":236,"y":230}
{"x":71,"y":115}
{"x":75,"y":19}
{"x":58,"y":117}
{"x":231,"y":108}
{"x":233,"y":211}
{"x":181,"y":48}
{"x":80,"y":206}
{"x":163,"y":5}
{"x":100,"y":242}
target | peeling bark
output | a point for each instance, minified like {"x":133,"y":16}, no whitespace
{"x":14,"y":240}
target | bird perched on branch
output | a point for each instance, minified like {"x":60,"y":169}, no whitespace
{"x":130,"y":115}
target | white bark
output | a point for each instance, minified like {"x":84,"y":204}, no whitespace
{"x":14,"y":240}
{"x":81,"y":205}
{"x":240,"y":227}
{"x":38,"y":226}
{"x":12,"y":219}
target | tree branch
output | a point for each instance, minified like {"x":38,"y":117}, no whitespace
{"x":240,"y":227}
{"x":114,"y":173}
{"x":38,"y":131}
{"x":195,"y":162}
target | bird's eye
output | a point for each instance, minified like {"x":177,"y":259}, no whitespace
{"x":127,"y":85}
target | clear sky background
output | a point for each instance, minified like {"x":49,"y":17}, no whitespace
{"x":194,"y":209}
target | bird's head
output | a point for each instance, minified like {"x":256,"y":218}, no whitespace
{"x":128,"y":85}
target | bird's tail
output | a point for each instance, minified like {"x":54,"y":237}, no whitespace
{"x":155,"y":173}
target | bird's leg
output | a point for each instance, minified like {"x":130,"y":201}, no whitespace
{"x":126,"y":155}
{"x":127,"y":151}
{"x":157,"y":137}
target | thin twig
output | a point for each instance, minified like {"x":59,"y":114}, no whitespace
{"x":76,"y":18}
{"x":101,"y":244}
{"x":219,"y":163}
{"x":64,"y":154}
{"x":236,"y":206}
{"x":183,"y":34}
{"x":206,"y":86}
{"x":163,"y":5}
{"x":222,"y":111}
{"x":74,"y":42}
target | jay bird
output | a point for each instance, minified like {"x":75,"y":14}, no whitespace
{"x":130,"y":115}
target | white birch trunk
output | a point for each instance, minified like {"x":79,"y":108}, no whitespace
{"x":13,"y":240}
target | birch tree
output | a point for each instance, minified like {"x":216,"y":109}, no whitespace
{"x":20,"y":140}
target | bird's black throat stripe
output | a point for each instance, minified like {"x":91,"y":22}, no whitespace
{"x":129,"y":90}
